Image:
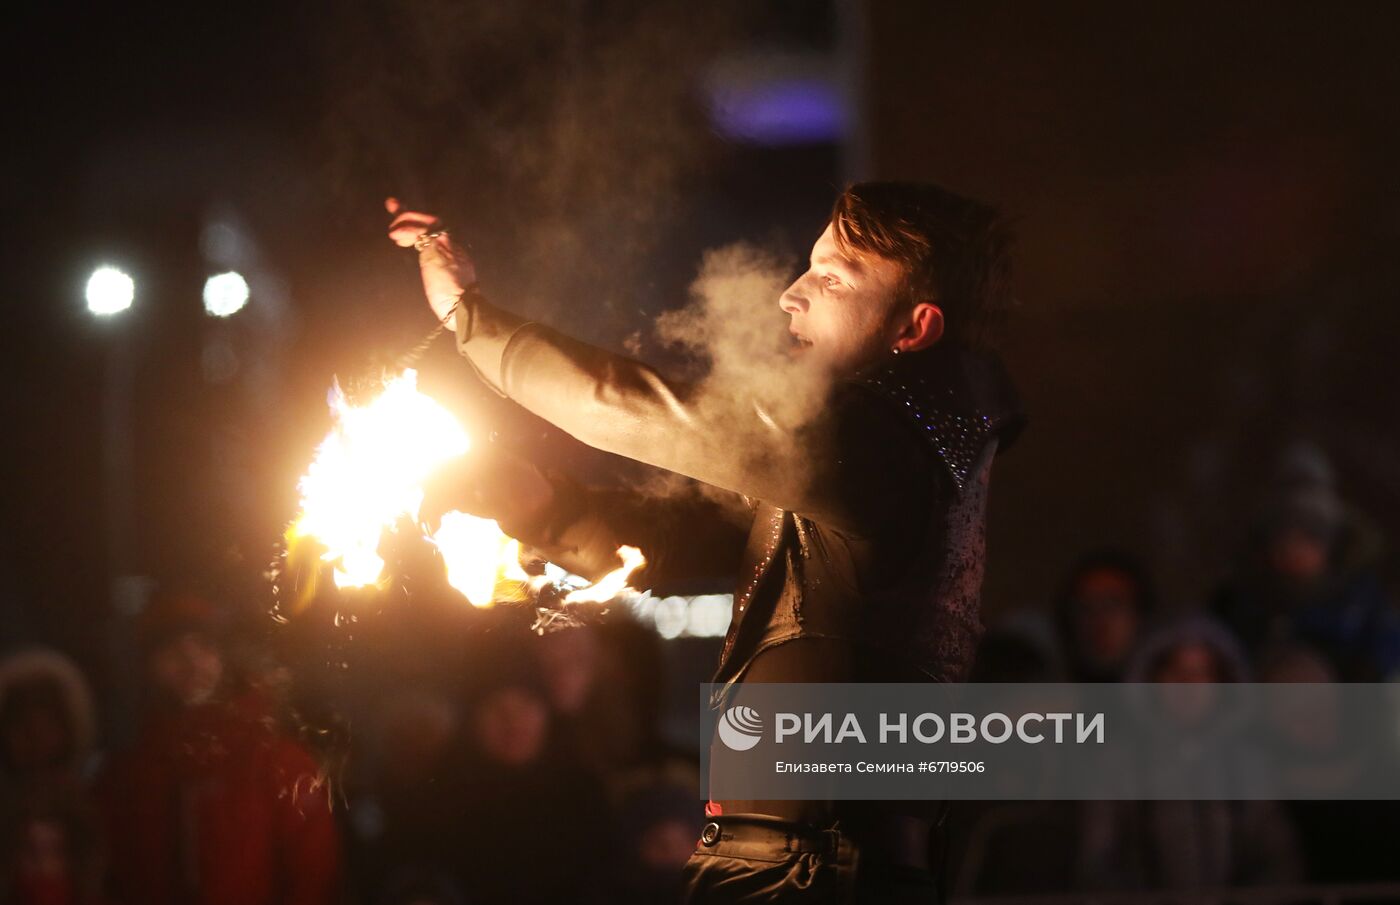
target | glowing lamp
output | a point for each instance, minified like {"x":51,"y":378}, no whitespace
{"x":225,"y":294}
{"x":109,"y":291}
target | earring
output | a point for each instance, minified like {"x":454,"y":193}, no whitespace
{"x":894,"y":350}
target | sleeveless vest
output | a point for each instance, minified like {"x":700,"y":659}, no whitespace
{"x":800,"y":579}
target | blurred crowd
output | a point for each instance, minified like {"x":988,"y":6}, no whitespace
{"x":494,"y":766}
{"x":480,"y":764}
{"x":1305,"y":604}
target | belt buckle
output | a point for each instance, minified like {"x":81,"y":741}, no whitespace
{"x":710,"y":834}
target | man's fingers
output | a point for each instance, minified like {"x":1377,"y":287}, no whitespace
{"x":430,"y":515}
{"x":405,"y":234}
{"x":407,"y":226}
{"x":451,"y":486}
{"x":434,"y":505}
{"x":413,"y":219}
{"x":405,"y":238}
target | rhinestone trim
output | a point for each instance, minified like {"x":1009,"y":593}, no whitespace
{"x":956,"y":438}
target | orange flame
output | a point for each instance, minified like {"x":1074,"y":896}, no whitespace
{"x":483,"y":563}
{"x":368,"y":474}
{"x":613,"y":583}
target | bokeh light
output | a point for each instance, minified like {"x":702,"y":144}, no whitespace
{"x":225,"y":294}
{"x":109,"y":291}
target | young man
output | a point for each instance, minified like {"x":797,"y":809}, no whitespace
{"x":863,"y":560}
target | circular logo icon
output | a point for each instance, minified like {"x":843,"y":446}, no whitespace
{"x":740,"y":728}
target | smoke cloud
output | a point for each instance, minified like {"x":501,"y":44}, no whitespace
{"x":560,"y":140}
{"x":745,"y":383}
{"x":557,"y":138}
{"x":733,"y":324}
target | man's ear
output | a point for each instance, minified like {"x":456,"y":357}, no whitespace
{"x":922,"y":328}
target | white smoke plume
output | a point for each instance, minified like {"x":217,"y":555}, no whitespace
{"x":757,"y":394}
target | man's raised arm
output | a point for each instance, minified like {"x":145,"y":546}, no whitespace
{"x":623,"y":406}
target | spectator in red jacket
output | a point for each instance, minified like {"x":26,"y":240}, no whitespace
{"x":213,"y":805}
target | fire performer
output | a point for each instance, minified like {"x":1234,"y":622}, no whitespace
{"x":863,"y":561}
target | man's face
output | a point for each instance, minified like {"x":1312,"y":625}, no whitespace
{"x":569,"y":661}
{"x":1192,"y":671}
{"x":841,"y":309}
{"x":188,"y":669}
{"x":512,"y":725}
{"x":1105,"y":608}
{"x":1298,"y":556}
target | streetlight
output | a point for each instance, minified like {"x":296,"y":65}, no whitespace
{"x":109,"y":291}
{"x":225,"y":294}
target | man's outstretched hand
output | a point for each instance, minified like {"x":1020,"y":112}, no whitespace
{"x":489,"y":483}
{"x":447,"y":269}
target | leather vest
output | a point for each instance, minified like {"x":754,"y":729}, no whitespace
{"x":801,"y":579}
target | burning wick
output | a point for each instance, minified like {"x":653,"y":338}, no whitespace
{"x":369,"y":472}
{"x":368,"y":475}
{"x":480,"y":558}
{"x":613,"y":583}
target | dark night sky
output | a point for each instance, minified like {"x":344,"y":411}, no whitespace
{"x":1207,"y":204}
{"x":89,"y":91}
